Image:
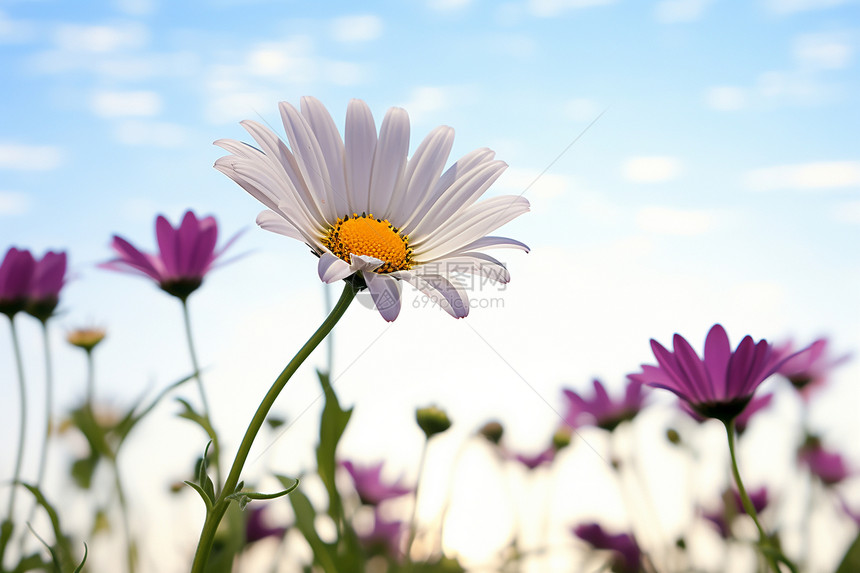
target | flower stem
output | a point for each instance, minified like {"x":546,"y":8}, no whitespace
{"x":216,"y":448}
{"x":219,"y":507}
{"x":49,"y":408}
{"x":131,"y":551}
{"x":22,"y":391}
{"x":771,"y":553}
{"x":413,"y":524}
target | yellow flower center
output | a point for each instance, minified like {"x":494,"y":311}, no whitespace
{"x":365,"y":235}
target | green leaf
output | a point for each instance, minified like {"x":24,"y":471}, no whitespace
{"x":82,"y":470}
{"x":245,"y":497}
{"x":206,"y":498}
{"x":191,"y":414}
{"x":31,"y":563}
{"x":851,"y":560}
{"x":324,"y":554}
{"x":332,"y":425}
{"x":125,"y":426}
{"x":80,"y":566}
{"x":62,"y":550}
{"x":203,"y":476}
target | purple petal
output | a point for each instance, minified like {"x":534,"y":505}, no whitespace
{"x":168,"y":246}
{"x":693,"y":369}
{"x":718,"y":351}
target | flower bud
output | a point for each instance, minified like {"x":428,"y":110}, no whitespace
{"x":492,"y":431}
{"x":86,"y":338}
{"x":432,"y":420}
{"x":673,"y":436}
{"x":561,"y":438}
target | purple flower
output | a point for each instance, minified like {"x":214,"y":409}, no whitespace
{"x":601,"y":411}
{"x":256,"y":527}
{"x":718,"y":386}
{"x":185,"y":255}
{"x":16,"y":272}
{"x":45,"y":284}
{"x":627,"y":556}
{"x":826,"y":465}
{"x":757,"y":404}
{"x":533,"y":461}
{"x":369,"y":485}
{"x":809,"y":368}
{"x":732,"y":506}
{"x":385,"y":538}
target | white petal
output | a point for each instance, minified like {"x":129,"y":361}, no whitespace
{"x":332,"y":148}
{"x":360,"y":145}
{"x":470,"y":225}
{"x":472,"y":263}
{"x":464,"y":192}
{"x":364,"y":263}
{"x":309,"y":159}
{"x":385,"y":293}
{"x":274,"y":222}
{"x":422,"y":173}
{"x":444,"y":292}
{"x":389,"y":161}
{"x":331,"y":268}
{"x":494,"y":243}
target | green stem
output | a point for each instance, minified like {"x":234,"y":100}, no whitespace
{"x":771,"y":553}
{"x":216,"y":448}
{"x":22,"y":390}
{"x":216,"y":513}
{"x":413,"y":524}
{"x":90,"y":377}
{"x":49,"y":409}
{"x":131,"y":552}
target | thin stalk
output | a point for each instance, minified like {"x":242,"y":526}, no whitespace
{"x":22,"y":391}
{"x":216,"y":448}
{"x":413,"y":525}
{"x":49,"y":409}
{"x":131,"y":552}
{"x":771,"y":553}
{"x":219,"y":507}
{"x":330,"y":340}
{"x":90,"y":377}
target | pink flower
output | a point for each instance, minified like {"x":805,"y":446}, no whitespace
{"x":45,"y":284}
{"x":627,"y":557}
{"x":601,"y":411}
{"x":826,"y":465}
{"x":757,"y":404}
{"x":369,"y":485}
{"x":721,"y":384}
{"x":257,"y":526}
{"x":16,"y":271}
{"x":534,"y":461}
{"x":809,"y":368}
{"x":385,"y":538}
{"x":186,"y":254}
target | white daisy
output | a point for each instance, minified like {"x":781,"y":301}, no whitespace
{"x":367,"y":211}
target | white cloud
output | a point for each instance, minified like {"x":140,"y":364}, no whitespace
{"x":581,"y":109}
{"x":30,"y":157}
{"x":671,"y":221}
{"x":293,"y":58}
{"x":653,"y":169}
{"x":100,"y":38}
{"x":426,"y":101}
{"x":344,"y":73}
{"x":151,"y":133}
{"x":726,"y":98}
{"x":136,"y":7}
{"x":13,"y":203}
{"x":823,"y":51}
{"x":125,"y":104}
{"x":232,"y":106}
{"x":673,"y":11}
{"x":448,"y":5}
{"x":549,"y":8}
{"x":794,"y":6}
{"x":532,"y":183}
{"x":816,"y":175}
{"x":15,"y":31}
{"x":848,"y":212}
{"x":359,"y":28}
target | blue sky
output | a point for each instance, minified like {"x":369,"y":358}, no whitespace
{"x":720,"y":183}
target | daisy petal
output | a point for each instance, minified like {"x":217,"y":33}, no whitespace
{"x":271,"y":221}
{"x":331,"y":268}
{"x":385,"y":293}
{"x":360,"y":146}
